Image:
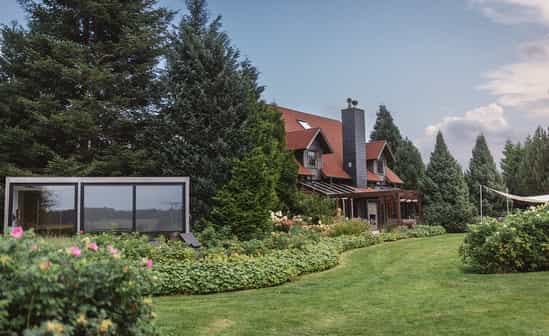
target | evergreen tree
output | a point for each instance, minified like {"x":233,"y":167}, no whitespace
{"x":510,"y":164}
{"x":385,"y":129}
{"x":76,"y":86}
{"x":409,"y":164}
{"x":534,"y":170}
{"x":214,"y":118}
{"x":445,"y":190}
{"x":243,"y":203}
{"x":483,"y":171}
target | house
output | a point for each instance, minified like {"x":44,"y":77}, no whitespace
{"x":335,"y":160}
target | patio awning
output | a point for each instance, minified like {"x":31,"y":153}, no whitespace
{"x":328,"y":189}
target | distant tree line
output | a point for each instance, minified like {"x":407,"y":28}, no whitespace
{"x":106,"y":88}
{"x":451,"y":196}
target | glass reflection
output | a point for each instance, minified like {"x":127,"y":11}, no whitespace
{"x":47,"y":209}
{"x":159,"y":208}
{"x":108,"y":208}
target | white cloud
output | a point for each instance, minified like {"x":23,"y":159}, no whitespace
{"x":484,"y":118}
{"x":523,"y":85}
{"x":460,"y":132}
{"x":514,"y":11}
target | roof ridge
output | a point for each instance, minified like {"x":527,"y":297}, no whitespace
{"x":311,"y":114}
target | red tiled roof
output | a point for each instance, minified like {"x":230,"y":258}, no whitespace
{"x":392,"y":177}
{"x":374,"y":149}
{"x":304,"y":171}
{"x":300,"y":139}
{"x":331,"y":129}
{"x":374,"y":177}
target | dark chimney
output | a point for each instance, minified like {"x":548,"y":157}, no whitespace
{"x":354,"y":143}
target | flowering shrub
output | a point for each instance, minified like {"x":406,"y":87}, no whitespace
{"x":85,"y":289}
{"x":349,"y":227}
{"x":518,"y":244}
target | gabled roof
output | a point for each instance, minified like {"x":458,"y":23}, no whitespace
{"x":392,"y":177}
{"x":374,"y":149}
{"x":331,"y":130}
{"x":303,"y":139}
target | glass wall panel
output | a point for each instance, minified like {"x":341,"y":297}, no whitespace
{"x":108,"y":208}
{"x":159,"y":208}
{"x":47,"y":209}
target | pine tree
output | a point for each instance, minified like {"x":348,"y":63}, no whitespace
{"x":534,"y":170}
{"x":510,"y":164}
{"x":409,"y":165}
{"x":483,"y":171}
{"x":76,"y":86}
{"x":445,"y":190}
{"x":385,"y":129}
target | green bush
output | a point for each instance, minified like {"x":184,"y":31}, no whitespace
{"x":518,"y":244}
{"x":317,"y":209}
{"x":283,"y":258}
{"x":86,"y":289}
{"x":349,"y":227}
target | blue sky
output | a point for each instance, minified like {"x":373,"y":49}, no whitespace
{"x":462,"y":66}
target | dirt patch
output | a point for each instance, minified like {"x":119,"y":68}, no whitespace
{"x":218,"y":326}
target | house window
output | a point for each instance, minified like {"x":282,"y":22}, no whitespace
{"x":380,"y":167}
{"x":313,"y":160}
{"x":304,"y":124}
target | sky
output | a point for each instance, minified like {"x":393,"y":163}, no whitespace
{"x":459,"y":66}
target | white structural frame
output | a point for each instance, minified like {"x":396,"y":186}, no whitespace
{"x":79,"y":181}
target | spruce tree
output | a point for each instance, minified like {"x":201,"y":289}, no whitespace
{"x":445,"y":190}
{"x":510,"y":164}
{"x":409,"y":164}
{"x":534,"y":170}
{"x":77,"y":85}
{"x":385,"y":129}
{"x":213,"y":114}
{"x":483,"y":171}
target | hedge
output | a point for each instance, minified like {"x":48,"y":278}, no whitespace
{"x":275,"y":268}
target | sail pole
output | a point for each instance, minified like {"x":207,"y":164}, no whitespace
{"x":481,"y":218}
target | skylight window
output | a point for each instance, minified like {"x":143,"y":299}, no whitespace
{"x":304,"y":124}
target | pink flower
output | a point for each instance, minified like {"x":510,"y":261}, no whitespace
{"x":112,"y":250}
{"x":74,"y":250}
{"x":17,"y":232}
{"x":93,"y":247}
{"x":148,"y":263}
{"x":81,"y":231}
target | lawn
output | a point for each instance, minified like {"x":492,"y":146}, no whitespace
{"x":409,"y":287}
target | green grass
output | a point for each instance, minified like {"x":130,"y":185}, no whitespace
{"x":410,"y":287}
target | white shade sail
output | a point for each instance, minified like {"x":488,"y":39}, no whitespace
{"x":540,"y":199}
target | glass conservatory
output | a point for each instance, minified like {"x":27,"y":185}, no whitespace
{"x":67,"y":205}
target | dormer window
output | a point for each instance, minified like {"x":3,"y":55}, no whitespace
{"x":312,"y":160}
{"x":304,"y":124}
{"x":381,"y":167}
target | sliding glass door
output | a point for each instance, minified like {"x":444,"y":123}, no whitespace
{"x":46,"y":209}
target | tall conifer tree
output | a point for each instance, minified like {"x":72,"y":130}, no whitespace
{"x":77,"y":85}
{"x":385,"y":129}
{"x":510,"y":164}
{"x":446,"y":194}
{"x":483,"y":171}
{"x":212,"y":119}
{"x":534,"y":167}
{"x":409,"y":164}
